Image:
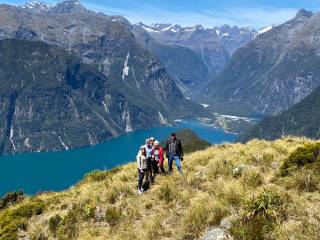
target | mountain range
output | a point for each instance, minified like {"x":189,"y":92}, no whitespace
{"x":193,"y":55}
{"x":132,"y":88}
{"x":273,"y":72}
{"x":300,"y":120}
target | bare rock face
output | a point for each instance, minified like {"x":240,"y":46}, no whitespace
{"x":272,"y":73}
{"x":126,"y":88}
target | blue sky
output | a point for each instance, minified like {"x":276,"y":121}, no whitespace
{"x":254,"y":13}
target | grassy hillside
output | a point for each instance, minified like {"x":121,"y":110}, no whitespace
{"x":191,"y":142}
{"x":265,"y":190}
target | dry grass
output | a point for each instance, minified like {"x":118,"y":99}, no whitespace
{"x":107,"y":206}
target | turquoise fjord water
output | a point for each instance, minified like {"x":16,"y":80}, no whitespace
{"x":56,"y":171}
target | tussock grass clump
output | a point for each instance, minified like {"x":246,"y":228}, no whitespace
{"x":252,"y":178}
{"x":54,"y":222}
{"x":113,"y":216}
{"x":120,"y":190}
{"x":167,"y":192}
{"x":260,"y":215}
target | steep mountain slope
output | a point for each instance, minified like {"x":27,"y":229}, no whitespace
{"x":229,"y":189}
{"x":51,"y":101}
{"x":104,"y":41}
{"x":145,"y":94}
{"x":303,"y":119}
{"x":205,"y":51}
{"x":273,"y":72}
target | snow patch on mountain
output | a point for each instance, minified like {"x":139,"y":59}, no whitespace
{"x":266,"y":29}
{"x":126,"y":68}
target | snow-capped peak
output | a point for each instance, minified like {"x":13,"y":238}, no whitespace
{"x":36,"y":5}
{"x":266,"y":29}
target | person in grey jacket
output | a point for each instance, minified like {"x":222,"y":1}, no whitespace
{"x":142,"y":167}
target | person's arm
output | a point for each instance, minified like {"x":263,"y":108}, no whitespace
{"x":167,"y":149}
{"x":160,"y":156}
{"x":139,"y":161}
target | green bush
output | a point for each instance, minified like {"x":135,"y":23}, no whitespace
{"x":12,"y":220}
{"x":303,"y":156}
{"x":97,"y":175}
{"x":11,"y":198}
{"x":113,"y":216}
{"x":29,"y":209}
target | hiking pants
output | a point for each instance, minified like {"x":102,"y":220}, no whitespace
{"x":177,"y":161}
{"x":149,"y":167}
{"x":155,"y":167}
{"x":141,"y":175}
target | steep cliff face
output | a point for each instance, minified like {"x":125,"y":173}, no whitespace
{"x":272,"y":73}
{"x":51,"y":101}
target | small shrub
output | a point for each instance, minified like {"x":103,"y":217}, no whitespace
{"x":98,"y":176}
{"x":11,"y":198}
{"x":29,"y":209}
{"x":13,"y":220}
{"x":301,"y":157}
{"x":113,"y":216}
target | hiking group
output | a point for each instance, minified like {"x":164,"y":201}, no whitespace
{"x":150,"y":159}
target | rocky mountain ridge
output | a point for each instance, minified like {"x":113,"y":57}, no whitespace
{"x":193,"y":55}
{"x":273,"y":72}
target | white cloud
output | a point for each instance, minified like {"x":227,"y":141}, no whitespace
{"x":257,"y":17}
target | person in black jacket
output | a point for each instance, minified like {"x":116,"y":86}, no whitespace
{"x":174,"y":152}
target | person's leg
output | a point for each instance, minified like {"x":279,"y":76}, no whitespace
{"x":178,"y":164}
{"x":155,"y":167}
{"x":170,"y":160}
{"x":141,"y":177}
{"x":162,"y":169}
{"x":150,"y":178}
